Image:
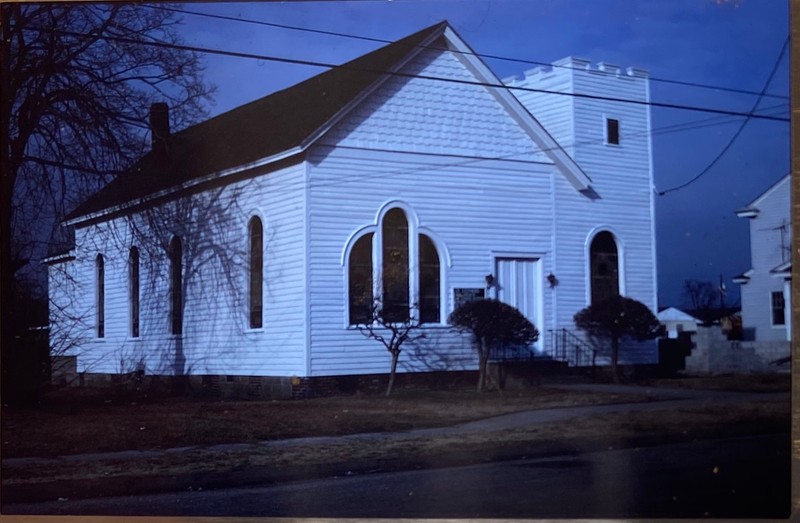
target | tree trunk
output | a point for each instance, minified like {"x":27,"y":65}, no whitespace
{"x":8,"y":176}
{"x":615,"y":358}
{"x":392,"y":371}
{"x":483,"y":358}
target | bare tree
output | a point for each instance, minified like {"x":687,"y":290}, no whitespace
{"x":703,"y":298}
{"x":393,"y":331}
{"x":77,"y":81}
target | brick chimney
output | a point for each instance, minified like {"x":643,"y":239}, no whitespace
{"x":159,"y":130}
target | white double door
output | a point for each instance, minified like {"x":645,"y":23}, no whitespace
{"x":519,"y":285}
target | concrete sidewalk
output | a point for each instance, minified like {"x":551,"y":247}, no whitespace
{"x":659,"y":399}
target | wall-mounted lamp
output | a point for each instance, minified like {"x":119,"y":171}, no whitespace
{"x":490,"y":282}
{"x":552,"y":280}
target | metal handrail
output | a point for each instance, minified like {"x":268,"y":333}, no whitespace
{"x":568,"y":347}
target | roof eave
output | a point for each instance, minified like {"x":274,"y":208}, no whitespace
{"x":77,"y":220}
{"x":747,"y":213}
{"x":59,"y":258}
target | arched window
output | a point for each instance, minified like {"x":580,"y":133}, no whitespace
{"x":101,"y":295}
{"x":256,"y":270}
{"x":394,"y":270}
{"x":429,"y":275}
{"x":133,"y":278}
{"x":360,"y":280}
{"x":395,"y":264}
{"x":176,"y":285}
{"x":604,"y":267}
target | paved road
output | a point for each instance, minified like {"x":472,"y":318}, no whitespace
{"x":736,"y":477}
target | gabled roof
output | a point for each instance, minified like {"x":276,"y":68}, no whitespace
{"x":673,"y":314}
{"x":743,"y":278}
{"x":751,"y":210}
{"x":784,"y":270}
{"x":285,"y":123}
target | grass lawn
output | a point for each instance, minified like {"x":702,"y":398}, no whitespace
{"x":753,"y":383}
{"x":79,"y":423}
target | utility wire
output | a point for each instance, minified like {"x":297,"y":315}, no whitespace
{"x":739,"y":130}
{"x":480,"y":55}
{"x":465,"y":161}
{"x":399,"y":74}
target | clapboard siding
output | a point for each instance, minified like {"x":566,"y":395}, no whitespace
{"x":470,"y":211}
{"x":216,"y":338}
{"x":621,"y":176}
{"x":554,"y":111}
{"x":765,"y":255}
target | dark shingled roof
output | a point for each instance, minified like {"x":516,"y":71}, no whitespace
{"x":259,"y":129}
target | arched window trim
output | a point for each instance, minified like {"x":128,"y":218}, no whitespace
{"x":250,"y":303}
{"x":414,"y":230}
{"x":588,"y":260}
{"x":134,"y":293}
{"x":100,"y":296}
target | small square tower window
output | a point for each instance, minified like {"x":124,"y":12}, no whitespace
{"x":612,"y":131}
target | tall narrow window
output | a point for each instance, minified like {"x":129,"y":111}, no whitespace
{"x":101,"y":296}
{"x":394,"y":272}
{"x":604,"y":267}
{"x":429,"y":270}
{"x":256,"y":298}
{"x":176,"y":285}
{"x":612,"y":131}
{"x":133,"y":277}
{"x":360,"y":280}
{"x":778,"y":306}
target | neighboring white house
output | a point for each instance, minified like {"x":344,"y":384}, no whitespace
{"x":675,"y":321}
{"x":244,"y":245}
{"x":766,"y":286}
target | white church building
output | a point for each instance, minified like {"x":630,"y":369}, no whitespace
{"x":243,"y":247}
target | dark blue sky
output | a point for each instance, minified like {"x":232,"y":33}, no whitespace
{"x":731,"y":43}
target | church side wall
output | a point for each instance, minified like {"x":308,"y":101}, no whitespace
{"x":216,"y":338}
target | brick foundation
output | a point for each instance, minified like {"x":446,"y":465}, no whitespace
{"x":513,"y":375}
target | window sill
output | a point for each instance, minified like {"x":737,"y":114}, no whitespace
{"x":259,"y":330}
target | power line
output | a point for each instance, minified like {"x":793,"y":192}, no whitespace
{"x":399,"y":74}
{"x":463,"y":161}
{"x":739,"y":130}
{"x":480,"y":55}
